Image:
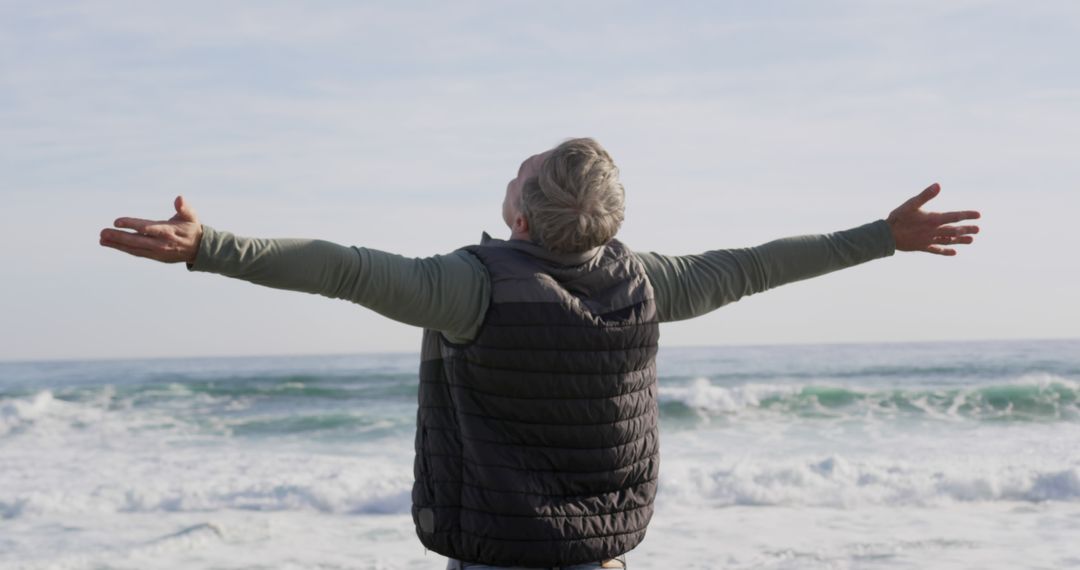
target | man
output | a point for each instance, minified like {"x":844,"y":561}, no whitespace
{"x":537,"y":441}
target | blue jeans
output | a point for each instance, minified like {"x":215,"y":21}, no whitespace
{"x":455,"y":564}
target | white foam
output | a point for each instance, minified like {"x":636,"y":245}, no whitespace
{"x":44,"y":420}
{"x":224,"y":479}
{"x":751,"y":401}
{"x":835,"y":481}
{"x":1046,"y":380}
{"x":961,"y":536}
{"x":206,"y":480}
{"x":18,"y":413}
{"x":701,"y":394}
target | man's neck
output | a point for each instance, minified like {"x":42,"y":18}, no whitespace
{"x":528,"y":246}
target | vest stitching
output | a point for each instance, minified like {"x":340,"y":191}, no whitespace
{"x":635,"y":304}
{"x":471,"y":389}
{"x":429,"y":494}
{"x":558,"y":349}
{"x":536,"y":423}
{"x":568,"y":375}
{"x":542,"y":516}
{"x":450,"y":397}
{"x":573,"y":326}
{"x":478,"y":464}
{"x":489,"y":489}
{"x":635,"y":440}
{"x":647,"y":368}
{"x":560,"y":540}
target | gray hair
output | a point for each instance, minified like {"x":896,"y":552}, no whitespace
{"x":576,"y":202}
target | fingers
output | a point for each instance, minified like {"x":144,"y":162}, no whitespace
{"x":114,"y":238}
{"x":152,"y":228}
{"x":953,"y":239}
{"x":140,"y":245}
{"x":956,"y":230}
{"x":136,"y":251}
{"x":184,"y":211}
{"x":917,"y":230}
{"x":940,"y":250}
{"x":923,"y":197}
{"x":953,"y":217}
{"x":145,"y":227}
{"x":168,"y":241}
{"x":951,"y":235}
{"x":137,"y":224}
{"x":158,"y":230}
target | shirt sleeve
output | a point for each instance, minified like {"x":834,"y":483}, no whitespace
{"x":688,"y":286}
{"x":446,"y":293}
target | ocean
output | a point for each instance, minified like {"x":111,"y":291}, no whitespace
{"x":877,"y":456}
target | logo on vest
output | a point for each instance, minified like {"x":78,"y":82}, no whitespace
{"x":427,"y":520}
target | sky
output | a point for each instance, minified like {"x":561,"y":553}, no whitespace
{"x":396,"y":126}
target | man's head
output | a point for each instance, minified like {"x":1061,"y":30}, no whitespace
{"x":568,"y":199}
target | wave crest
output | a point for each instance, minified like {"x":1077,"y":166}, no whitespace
{"x":1030,"y":398}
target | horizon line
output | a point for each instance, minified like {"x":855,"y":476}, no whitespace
{"x":416,"y":352}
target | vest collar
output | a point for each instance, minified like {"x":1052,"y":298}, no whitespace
{"x":535,"y":250}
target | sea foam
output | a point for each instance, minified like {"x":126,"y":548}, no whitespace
{"x":1037,"y":397}
{"x":835,"y":481}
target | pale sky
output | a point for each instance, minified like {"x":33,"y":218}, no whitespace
{"x":397,"y":125}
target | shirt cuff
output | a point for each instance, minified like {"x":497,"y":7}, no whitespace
{"x":884,"y":236}
{"x":204,"y":257}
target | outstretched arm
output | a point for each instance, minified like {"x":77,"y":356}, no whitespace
{"x":446,"y":293}
{"x":692,"y":285}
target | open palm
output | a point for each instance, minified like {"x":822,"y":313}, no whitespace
{"x":169,"y":241}
{"x":916,"y":230}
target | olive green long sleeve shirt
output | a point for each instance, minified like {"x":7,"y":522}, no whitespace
{"x":450,"y":293}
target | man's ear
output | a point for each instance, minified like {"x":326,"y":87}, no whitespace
{"x":521,"y":224}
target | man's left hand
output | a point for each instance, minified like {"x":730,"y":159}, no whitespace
{"x":916,"y":230}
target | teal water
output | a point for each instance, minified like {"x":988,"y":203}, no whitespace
{"x":373,"y":396}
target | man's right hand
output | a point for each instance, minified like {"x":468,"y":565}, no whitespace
{"x":169,"y":241}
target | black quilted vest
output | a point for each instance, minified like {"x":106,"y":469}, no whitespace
{"x":537,"y":442}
